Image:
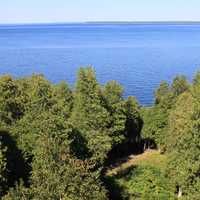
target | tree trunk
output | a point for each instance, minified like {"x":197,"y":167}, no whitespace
{"x":179,"y":192}
{"x":144,"y":146}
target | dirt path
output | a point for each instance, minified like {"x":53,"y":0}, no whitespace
{"x":152,"y":157}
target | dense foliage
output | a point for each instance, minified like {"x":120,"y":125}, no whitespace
{"x":173,"y":124}
{"x":56,"y":140}
{"x":145,"y":182}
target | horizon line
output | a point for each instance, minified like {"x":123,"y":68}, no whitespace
{"x":101,"y":22}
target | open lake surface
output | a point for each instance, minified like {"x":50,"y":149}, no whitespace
{"x":138,"y":56}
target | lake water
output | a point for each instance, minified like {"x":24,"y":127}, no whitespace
{"x":138,"y":56}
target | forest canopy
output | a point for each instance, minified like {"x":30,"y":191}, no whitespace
{"x":58,"y":142}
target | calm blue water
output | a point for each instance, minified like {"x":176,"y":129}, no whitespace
{"x":138,"y":56}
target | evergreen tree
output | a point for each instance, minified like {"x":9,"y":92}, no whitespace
{"x":57,"y":175}
{"x":161,"y":92}
{"x":39,"y":93}
{"x":155,"y":122}
{"x":11,"y":107}
{"x":89,"y":117}
{"x":196,"y":80}
{"x":54,"y":141}
{"x":183,"y":146}
{"x":115,"y":105}
{"x":179,"y":85}
{"x":63,"y":100}
{"x":145,"y":183}
{"x":134,"y":123}
{"x":195,"y":89}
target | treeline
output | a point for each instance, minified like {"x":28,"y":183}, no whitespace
{"x":56,"y":140}
{"x":174,"y":125}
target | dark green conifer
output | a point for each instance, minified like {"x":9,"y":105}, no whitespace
{"x":89,"y":117}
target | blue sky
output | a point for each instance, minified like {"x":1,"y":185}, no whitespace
{"x":38,"y":11}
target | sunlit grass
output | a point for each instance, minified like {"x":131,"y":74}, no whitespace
{"x":149,"y":158}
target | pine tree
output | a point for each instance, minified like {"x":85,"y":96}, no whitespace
{"x":58,"y":175}
{"x":161,"y":92}
{"x":89,"y":117}
{"x":11,"y":107}
{"x":179,"y":85}
{"x":183,"y":146}
{"x":115,"y":105}
{"x":133,"y":122}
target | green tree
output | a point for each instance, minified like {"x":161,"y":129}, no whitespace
{"x":39,"y":92}
{"x":180,"y":85}
{"x":153,"y":132}
{"x":125,"y":120}
{"x":115,"y":105}
{"x":146,"y":183}
{"x":161,"y":92}
{"x":11,"y":107}
{"x":133,"y":123}
{"x":196,"y":80}
{"x":89,"y":117}
{"x":183,"y":146}
{"x":195,"y":89}
{"x":57,"y":175}
{"x":47,"y":110}
{"x":63,"y":100}
{"x":156,"y":117}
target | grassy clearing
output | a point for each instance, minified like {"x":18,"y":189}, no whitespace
{"x":150,"y":158}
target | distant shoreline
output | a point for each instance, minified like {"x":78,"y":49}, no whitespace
{"x":106,"y":23}
{"x":144,"y":22}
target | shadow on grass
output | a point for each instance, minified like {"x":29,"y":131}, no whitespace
{"x":116,"y":191}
